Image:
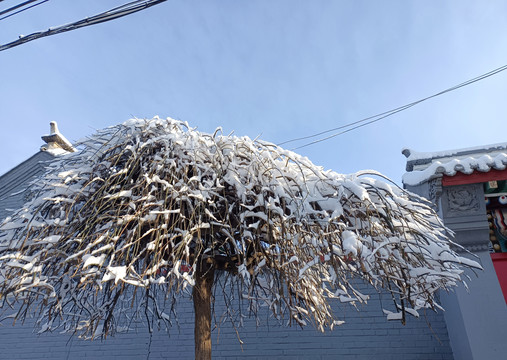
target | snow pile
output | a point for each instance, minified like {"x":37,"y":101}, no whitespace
{"x":144,"y":204}
{"x":451,"y":163}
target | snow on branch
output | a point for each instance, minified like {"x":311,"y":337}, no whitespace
{"x":127,"y":220}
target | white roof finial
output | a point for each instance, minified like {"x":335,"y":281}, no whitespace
{"x":55,"y":140}
{"x":53,"y":128}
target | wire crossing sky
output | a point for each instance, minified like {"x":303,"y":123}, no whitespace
{"x":112,"y":14}
{"x":279,"y":70}
{"x":372,"y":119}
{"x":12,"y":12}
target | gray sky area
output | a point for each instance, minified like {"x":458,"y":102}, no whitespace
{"x":281,"y":69}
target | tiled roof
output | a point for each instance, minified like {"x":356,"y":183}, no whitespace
{"x":14,"y":183}
{"x":422,"y":167}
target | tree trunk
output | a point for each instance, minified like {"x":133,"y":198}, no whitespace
{"x":202,"y":309}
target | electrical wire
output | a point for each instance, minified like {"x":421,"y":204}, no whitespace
{"x":134,"y":6}
{"x":115,"y":13}
{"x":19,"y":11}
{"x":16,"y":7}
{"x":372,"y":119}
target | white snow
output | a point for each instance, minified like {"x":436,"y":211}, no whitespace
{"x":452,"y":162}
{"x":90,"y":260}
{"x":350,"y":242}
{"x":418,"y":155}
{"x":115,"y":273}
{"x":393,"y":315}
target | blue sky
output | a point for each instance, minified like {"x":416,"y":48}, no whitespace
{"x":278,"y":69}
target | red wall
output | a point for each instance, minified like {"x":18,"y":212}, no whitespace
{"x":500,"y":264}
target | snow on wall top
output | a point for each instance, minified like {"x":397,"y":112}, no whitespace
{"x":422,"y":166}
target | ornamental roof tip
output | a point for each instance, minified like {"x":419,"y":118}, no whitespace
{"x":56,"y":143}
{"x":424,"y":166}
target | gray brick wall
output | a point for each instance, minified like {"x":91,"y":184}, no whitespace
{"x":365,"y":335}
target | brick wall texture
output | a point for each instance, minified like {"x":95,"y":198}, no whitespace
{"x":365,"y":335}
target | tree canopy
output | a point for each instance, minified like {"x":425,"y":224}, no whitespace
{"x":145,"y":209}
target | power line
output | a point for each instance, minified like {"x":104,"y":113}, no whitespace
{"x":372,"y":119}
{"x":18,"y":6}
{"x":115,"y":13}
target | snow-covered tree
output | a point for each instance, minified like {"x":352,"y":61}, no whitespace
{"x":149,"y":209}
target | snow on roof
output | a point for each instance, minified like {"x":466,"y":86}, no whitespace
{"x":422,"y":167}
{"x":57,"y":144}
